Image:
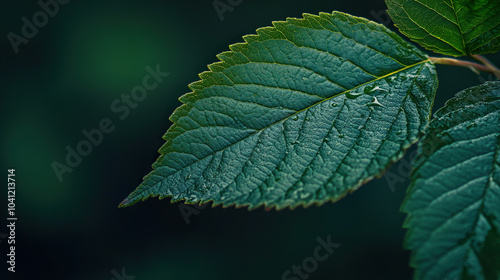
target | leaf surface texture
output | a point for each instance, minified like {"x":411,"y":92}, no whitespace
{"x":303,"y":112}
{"x":453,"y":204}
{"x":452,"y":27}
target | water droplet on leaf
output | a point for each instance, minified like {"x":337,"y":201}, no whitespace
{"x":372,"y":89}
{"x":374,"y":103}
{"x":353,"y":95}
{"x":304,"y":195}
{"x":471,"y":125}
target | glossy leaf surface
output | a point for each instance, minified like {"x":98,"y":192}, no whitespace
{"x":303,"y":112}
{"x":453,"y":27}
{"x":453,"y":204}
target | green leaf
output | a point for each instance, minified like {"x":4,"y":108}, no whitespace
{"x":289,"y":117}
{"x":453,"y":27}
{"x":453,"y":204}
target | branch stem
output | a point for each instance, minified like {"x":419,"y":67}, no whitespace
{"x":487,"y":66}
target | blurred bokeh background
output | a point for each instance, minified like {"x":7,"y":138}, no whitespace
{"x":64,"y":80}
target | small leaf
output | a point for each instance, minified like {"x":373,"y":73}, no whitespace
{"x":453,"y":27}
{"x":453,"y":204}
{"x":283,"y":119}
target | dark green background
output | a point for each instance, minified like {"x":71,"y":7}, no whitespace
{"x":64,"y":80}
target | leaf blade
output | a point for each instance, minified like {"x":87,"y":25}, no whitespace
{"x":263,"y":128}
{"x":451,"y":27}
{"x":453,"y":203}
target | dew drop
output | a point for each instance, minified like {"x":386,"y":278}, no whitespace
{"x":335,"y":104}
{"x":374,"y":103}
{"x":295,"y":118}
{"x":188,"y":177}
{"x":471,"y":125}
{"x":368,"y":90}
{"x":372,"y":89}
{"x":304,"y":195}
{"x":353,"y":95}
{"x":379,"y":88}
{"x":399,"y":133}
{"x":341,"y":135}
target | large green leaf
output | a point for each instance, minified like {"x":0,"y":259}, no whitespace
{"x":453,"y":204}
{"x":453,"y":27}
{"x":304,"y":112}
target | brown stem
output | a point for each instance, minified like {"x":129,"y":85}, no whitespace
{"x":487,"y":67}
{"x":488,"y":64}
{"x":457,"y":62}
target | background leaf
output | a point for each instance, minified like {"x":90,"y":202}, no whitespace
{"x":453,"y":27}
{"x":303,"y":112}
{"x":453,"y":204}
